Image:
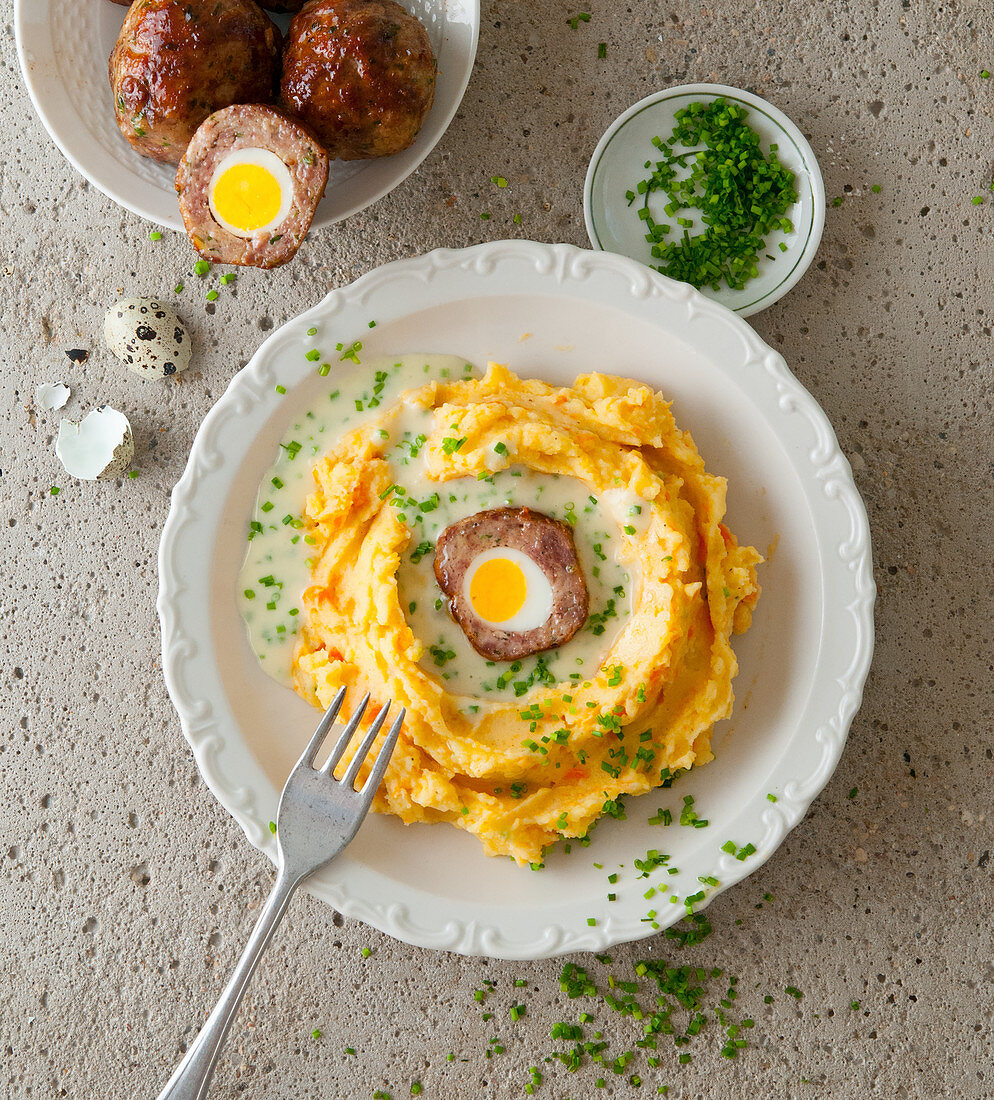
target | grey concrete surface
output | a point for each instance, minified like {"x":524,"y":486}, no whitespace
{"x":125,"y":890}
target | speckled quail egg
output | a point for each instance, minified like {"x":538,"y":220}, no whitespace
{"x":148,"y":337}
{"x":99,"y":447}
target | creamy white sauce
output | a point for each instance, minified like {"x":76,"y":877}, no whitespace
{"x":277,"y":565}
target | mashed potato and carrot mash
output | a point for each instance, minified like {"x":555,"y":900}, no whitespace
{"x":523,"y":752}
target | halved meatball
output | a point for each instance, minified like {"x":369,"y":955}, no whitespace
{"x":545,"y":542}
{"x":177,"y":61}
{"x":248,"y":186}
{"x":360,"y":74}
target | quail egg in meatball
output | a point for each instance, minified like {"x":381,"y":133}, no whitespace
{"x":249,"y":184}
{"x":513,"y":580}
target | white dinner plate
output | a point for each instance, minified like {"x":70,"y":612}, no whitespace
{"x":552,"y":312}
{"x":64,"y":46}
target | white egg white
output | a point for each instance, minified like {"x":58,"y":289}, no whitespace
{"x":264,"y":158}
{"x":538,"y":592}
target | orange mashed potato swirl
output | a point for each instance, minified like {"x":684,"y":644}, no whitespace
{"x":522,"y":773}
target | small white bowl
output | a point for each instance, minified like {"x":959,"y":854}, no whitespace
{"x":618,"y":164}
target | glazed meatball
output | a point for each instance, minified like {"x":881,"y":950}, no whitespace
{"x":177,"y":61}
{"x":360,"y":74}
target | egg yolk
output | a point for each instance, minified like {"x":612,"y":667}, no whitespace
{"x":247,"y":196}
{"x":498,"y":590}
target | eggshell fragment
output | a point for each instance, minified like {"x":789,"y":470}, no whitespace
{"x":51,"y":395}
{"x":148,"y":337}
{"x":99,"y":447}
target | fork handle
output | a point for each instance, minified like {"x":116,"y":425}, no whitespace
{"x":192,"y":1076}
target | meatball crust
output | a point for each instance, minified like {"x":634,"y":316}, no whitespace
{"x":360,"y":74}
{"x":177,"y":61}
{"x":549,"y":544}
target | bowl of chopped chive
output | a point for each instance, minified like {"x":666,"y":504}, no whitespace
{"x":712,"y":186}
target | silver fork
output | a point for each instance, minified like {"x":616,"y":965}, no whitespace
{"x":317,"y":817}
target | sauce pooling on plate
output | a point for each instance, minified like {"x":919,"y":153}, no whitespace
{"x":278,"y":562}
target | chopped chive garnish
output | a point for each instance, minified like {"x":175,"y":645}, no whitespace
{"x":742,"y":195}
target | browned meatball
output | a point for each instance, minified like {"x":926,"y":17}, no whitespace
{"x":360,"y":74}
{"x":124,"y":2}
{"x":177,"y":61}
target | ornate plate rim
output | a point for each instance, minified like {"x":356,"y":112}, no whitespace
{"x":827,"y":482}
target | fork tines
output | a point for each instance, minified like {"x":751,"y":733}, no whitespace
{"x":352,"y":772}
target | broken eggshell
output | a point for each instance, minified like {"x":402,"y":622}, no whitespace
{"x":51,"y":395}
{"x":148,"y":337}
{"x":99,"y":447}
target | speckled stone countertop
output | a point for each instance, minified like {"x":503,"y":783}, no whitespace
{"x":126,"y":892}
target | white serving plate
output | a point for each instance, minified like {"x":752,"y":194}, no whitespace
{"x":64,"y":47}
{"x":551,"y":311}
{"x":617,"y":165}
